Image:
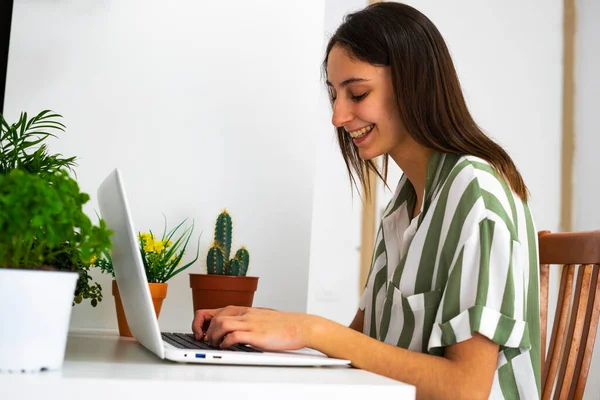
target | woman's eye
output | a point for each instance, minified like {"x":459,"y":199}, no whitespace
{"x":359,"y":97}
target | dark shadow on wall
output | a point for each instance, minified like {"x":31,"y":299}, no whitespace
{"x":6,"y":9}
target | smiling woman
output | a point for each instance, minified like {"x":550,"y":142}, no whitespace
{"x":6,"y":7}
{"x":451,"y":304}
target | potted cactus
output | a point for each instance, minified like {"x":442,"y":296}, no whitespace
{"x":225,"y":282}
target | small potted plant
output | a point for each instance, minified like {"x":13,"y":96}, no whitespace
{"x":162,"y":258}
{"x":44,"y":238}
{"x":226,"y":282}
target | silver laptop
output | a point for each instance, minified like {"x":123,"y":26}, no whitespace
{"x":137,"y":303}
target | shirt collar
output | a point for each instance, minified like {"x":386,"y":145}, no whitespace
{"x":439,"y":166}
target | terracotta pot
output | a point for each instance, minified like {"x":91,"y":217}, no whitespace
{"x":158,"y":292}
{"x":216,"y":291}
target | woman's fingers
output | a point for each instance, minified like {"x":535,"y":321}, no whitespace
{"x":236,"y":337}
{"x":221,"y":326}
{"x":202,"y":320}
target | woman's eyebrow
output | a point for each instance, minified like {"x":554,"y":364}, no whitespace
{"x":348,"y":81}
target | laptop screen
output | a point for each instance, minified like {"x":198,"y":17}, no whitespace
{"x":128,"y":265}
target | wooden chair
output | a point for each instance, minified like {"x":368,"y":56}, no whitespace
{"x":567,"y":360}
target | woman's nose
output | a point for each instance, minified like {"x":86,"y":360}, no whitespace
{"x":342,"y":114}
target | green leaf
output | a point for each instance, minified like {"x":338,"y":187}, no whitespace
{"x":172,"y":274}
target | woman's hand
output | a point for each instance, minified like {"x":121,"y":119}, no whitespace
{"x":261,"y":328}
{"x":202,"y":318}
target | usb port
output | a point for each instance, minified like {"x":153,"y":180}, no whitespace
{"x":217,"y":357}
{"x":198,"y":355}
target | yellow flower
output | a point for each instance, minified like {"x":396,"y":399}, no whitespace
{"x":93,"y":259}
{"x":167,"y":243}
{"x":146,"y":236}
{"x":159,"y":246}
{"x":148,"y":240}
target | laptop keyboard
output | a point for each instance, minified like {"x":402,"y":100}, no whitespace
{"x":187,"y":341}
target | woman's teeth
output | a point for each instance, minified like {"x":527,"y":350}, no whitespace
{"x":361,"y":132}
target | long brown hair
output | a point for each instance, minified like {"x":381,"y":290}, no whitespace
{"x":426,"y":87}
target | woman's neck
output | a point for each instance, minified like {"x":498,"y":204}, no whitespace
{"x":412,"y":158}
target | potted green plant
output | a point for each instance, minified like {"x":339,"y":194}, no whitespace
{"x":22,"y":147}
{"x":161,"y":258}
{"x":225,"y":282}
{"x":45,"y":237}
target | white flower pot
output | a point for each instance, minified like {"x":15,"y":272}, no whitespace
{"x":35,"y":310}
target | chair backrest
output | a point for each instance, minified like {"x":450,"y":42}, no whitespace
{"x":566,"y":364}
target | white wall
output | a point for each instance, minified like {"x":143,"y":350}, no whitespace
{"x":586,"y":188}
{"x":203,"y":105}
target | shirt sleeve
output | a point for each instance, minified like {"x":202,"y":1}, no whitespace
{"x":485,"y":291}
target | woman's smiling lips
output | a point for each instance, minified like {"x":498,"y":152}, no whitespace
{"x":359,"y":135}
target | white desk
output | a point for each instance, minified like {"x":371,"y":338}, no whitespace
{"x":110,"y":367}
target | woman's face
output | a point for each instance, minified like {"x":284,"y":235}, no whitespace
{"x":364,"y":104}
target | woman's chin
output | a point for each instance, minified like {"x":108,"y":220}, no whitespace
{"x":367,"y":154}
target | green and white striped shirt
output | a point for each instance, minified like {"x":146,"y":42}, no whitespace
{"x":468,"y":263}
